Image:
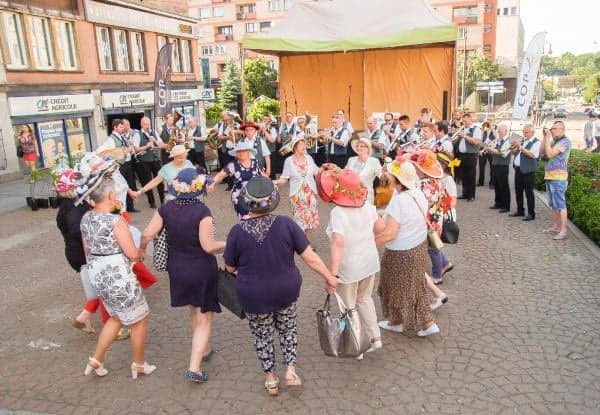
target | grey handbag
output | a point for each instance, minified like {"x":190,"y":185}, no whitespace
{"x":160,"y":255}
{"x":342,"y":336}
{"x":88,"y":288}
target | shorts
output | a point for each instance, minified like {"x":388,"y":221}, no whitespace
{"x":556,"y":190}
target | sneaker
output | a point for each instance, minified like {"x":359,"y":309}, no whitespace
{"x":360,"y":357}
{"x":439,"y":301}
{"x":561,"y":237}
{"x":433,"y":329}
{"x":384,"y":324}
{"x":550,"y":230}
{"x":375,"y":345}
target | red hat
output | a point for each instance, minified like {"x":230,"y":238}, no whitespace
{"x":250,"y":124}
{"x":342,"y":187}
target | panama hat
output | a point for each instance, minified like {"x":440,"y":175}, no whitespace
{"x":404,"y":171}
{"x":242,"y":146}
{"x":364,"y":140}
{"x":178,"y":150}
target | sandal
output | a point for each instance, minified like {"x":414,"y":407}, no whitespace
{"x":197,"y":377}
{"x":296,"y":381}
{"x":82,"y":326}
{"x":448,"y":268}
{"x":437,"y":281}
{"x":272,"y":387}
{"x":95,"y":366}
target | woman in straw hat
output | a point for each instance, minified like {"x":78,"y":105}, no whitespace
{"x":110,"y":253}
{"x":261,"y":249}
{"x":192,"y":266}
{"x":169,"y":171}
{"x":367,"y":167}
{"x":352,"y":226}
{"x":300,"y":170}
{"x":402,"y":286}
{"x":243,"y":168}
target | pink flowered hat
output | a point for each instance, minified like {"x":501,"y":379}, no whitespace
{"x":66,"y":183}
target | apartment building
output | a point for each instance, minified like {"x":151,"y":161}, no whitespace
{"x":68,"y":67}
{"x":225,"y":22}
{"x":511,"y":36}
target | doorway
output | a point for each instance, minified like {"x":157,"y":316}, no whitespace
{"x":134,"y":119}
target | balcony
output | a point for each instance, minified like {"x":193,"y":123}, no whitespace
{"x":222,"y":37}
{"x":246,"y":16}
{"x":464,"y":19}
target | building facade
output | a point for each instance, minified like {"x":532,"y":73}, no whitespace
{"x":511,"y":34}
{"x":67,"y":68}
{"x":224,"y":24}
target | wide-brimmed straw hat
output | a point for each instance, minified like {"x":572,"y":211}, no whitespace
{"x":404,"y":171}
{"x":364,"y":140}
{"x":296,"y":140}
{"x":178,"y":150}
{"x":242,"y":146}
{"x":426,"y":161}
{"x":342,"y":187}
{"x":188,"y":184}
{"x":259,"y":195}
{"x":249,"y":124}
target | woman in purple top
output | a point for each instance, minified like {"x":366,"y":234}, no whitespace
{"x":261,"y":249}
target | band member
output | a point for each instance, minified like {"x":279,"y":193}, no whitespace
{"x":262,"y":155}
{"x":390,"y":131}
{"x":455,"y":123}
{"x":224,"y":128}
{"x":500,"y":152}
{"x":525,"y":164}
{"x":489,"y":134}
{"x":287,"y":131}
{"x":442,"y":140}
{"x":196,"y":154}
{"x":338,"y":151}
{"x":406,"y":135}
{"x":147,"y":149}
{"x":468,"y":141}
{"x":125,"y":165}
{"x":167,"y":131}
{"x":424,"y":119}
{"x":345,"y":123}
{"x":132,"y":136}
{"x":378,"y":136}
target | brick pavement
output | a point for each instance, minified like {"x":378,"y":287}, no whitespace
{"x":519,"y":335}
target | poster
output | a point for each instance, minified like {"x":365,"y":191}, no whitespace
{"x":52,"y":138}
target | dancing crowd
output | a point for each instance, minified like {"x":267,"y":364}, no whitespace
{"x":416,"y":165}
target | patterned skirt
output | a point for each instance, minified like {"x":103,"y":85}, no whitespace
{"x":304,"y":208}
{"x":403,"y":288}
{"x":118,"y":288}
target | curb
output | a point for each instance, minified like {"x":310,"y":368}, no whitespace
{"x":593,"y":248}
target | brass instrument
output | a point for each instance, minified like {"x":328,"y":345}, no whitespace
{"x":457,"y":133}
{"x":286,"y":149}
{"x":212,"y":139}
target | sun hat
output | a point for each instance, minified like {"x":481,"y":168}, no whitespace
{"x":242,"y":146}
{"x":364,"y":140}
{"x":250,"y":124}
{"x":296,"y":140}
{"x":178,"y":150}
{"x":91,"y":170}
{"x":66,"y":183}
{"x":404,"y":171}
{"x":342,"y":187}
{"x":189,"y":184}
{"x":259,"y":195}
{"x":426,"y":161}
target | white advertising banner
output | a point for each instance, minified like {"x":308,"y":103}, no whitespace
{"x":146,"y":98}
{"x":528,"y":76}
{"x":51,"y":104}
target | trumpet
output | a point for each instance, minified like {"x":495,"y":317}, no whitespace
{"x":461,"y":129}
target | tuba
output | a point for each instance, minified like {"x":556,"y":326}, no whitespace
{"x":212,"y":139}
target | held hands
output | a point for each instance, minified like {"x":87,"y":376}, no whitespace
{"x":331,"y":284}
{"x":210,"y":188}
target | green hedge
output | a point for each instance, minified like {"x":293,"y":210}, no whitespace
{"x":583,"y":193}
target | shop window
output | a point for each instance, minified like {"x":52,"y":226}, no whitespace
{"x":186,"y":61}
{"x":120,"y":37}
{"x":104,"y":48}
{"x":13,"y":26}
{"x":161,"y":41}
{"x":66,"y":41}
{"x":137,"y":51}
{"x":41,"y":43}
{"x":175,"y":62}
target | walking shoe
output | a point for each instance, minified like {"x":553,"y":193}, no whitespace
{"x":375,"y":345}
{"x":503,"y":211}
{"x":433,"y":329}
{"x":439,"y":301}
{"x":385,"y":324}
{"x":515,"y":214}
{"x":528,"y":218}
{"x":360,"y":356}
{"x":550,"y":230}
{"x":561,"y":237}
{"x":197,"y":377}
{"x":448,"y":268}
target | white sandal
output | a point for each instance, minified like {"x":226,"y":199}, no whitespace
{"x":95,"y":366}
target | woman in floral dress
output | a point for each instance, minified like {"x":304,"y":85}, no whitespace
{"x":300,"y":170}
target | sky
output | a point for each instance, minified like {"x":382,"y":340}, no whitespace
{"x":572,"y":25}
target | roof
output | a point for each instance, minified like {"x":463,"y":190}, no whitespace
{"x":343,"y":25}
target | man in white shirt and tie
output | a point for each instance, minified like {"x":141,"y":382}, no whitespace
{"x":338,"y":143}
{"x":125,"y":166}
{"x":501,"y":161}
{"x":525,"y":163}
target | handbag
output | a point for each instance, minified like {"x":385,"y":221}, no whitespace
{"x":450,"y":230}
{"x":227,"y":294}
{"x":160,"y":255}
{"x":343,"y":336}
{"x":432,"y":235}
{"x":383,"y":194}
{"x":20,"y":152}
{"x":88,"y":288}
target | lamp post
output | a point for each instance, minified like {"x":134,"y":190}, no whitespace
{"x":464,"y":72}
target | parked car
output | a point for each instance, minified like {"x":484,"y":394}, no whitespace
{"x":559,"y":112}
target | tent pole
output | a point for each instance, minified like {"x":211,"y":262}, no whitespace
{"x":243,"y":61}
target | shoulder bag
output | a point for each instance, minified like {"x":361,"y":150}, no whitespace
{"x":450,"y":230}
{"x":227,"y":294}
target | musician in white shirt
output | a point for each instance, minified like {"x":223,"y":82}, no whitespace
{"x":442,"y":139}
{"x":345,"y":123}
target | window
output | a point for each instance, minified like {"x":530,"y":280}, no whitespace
{"x":513,"y":11}
{"x":41,"y":43}
{"x":498,"y":14}
{"x":15,"y":40}
{"x":487,"y":48}
{"x":265,"y":26}
{"x":274,"y":5}
{"x":104,"y":48}
{"x":219,"y":49}
{"x":287,"y":4}
{"x":186,"y":60}
{"x":137,"y":51}
{"x":221,"y":67}
{"x":175,"y":62}
{"x":462,"y":32}
{"x":207,"y":50}
{"x":251,"y":27}
{"x":247,"y":8}
{"x":121,"y":48}
{"x":161,"y":41}
{"x":204,"y":13}
{"x":465,"y":11}
{"x":66,"y":43}
{"x":218,"y":11}
{"x":505,"y":11}
{"x":487,"y":8}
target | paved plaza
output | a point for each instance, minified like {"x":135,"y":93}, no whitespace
{"x":519,"y":334}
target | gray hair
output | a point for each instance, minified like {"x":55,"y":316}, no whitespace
{"x":503,"y":127}
{"x":529,"y":126}
{"x":106,"y":185}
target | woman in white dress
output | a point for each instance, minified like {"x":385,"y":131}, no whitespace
{"x":300,"y":170}
{"x":366,"y":166}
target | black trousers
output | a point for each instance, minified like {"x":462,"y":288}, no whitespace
{"x":501,"y":189}
{"x":224,"y":159}
{"x":149,"y":170}
{"x":524,"y":182}
{"x":126,"y":170}
{"x":197,"y":159}
{"x":468,"y":169}
{"x":339,"y":161}
{"x":483,"y":160}
{"x":319,"y":157}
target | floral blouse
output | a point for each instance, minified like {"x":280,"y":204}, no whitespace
{"x":434,"y":193}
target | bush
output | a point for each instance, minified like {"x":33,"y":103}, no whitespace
{"x":263,"y":106}
{"x":213,"y":114}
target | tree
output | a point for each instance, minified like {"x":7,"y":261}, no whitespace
{"x":592,"y":88}
{"x":231,"y":87}
{"x":213,"y":114}
{"x":263,"y":106}
{"x":479,"y":68}
{"x":260,"y":79}
{"x":549,"y":91}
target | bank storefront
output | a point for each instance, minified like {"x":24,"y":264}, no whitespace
{"x":60,"y":124}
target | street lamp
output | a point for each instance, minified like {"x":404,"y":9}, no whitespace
{"x":464,"y":72}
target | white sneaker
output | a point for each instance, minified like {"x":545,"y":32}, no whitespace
{"x":433,"y":329}
{"x":384,"y":324}
{"x":360,"y":357}
{"x":375,"y":345}
{"x":439,"y":301}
